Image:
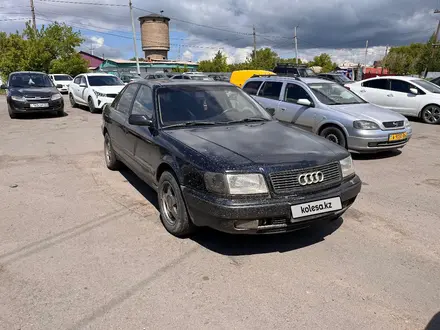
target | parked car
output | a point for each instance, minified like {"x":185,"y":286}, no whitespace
{"x":218,"y":159}
{"x":291,"y":69}
{"x":61,"y":82}
{"x":331,"y":111}
{"x":32,"y":92}
{"x":156,"y":75}
{"x":191,"y":76}
{"x":128,"y":78}
{"x":94,"y":90}
{"x":336,"y":77}
{"x":408,"y":96}
{"x":239,"y":77}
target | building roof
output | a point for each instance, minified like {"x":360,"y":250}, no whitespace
{"x":153,"y":16}
{"x":88,"y":54}
{"x":122,"y":61}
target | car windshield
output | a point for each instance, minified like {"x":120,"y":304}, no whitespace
{"x":160,"y":76}
{"x":429,"y":86}
{"x":104,"y":81}
{"x":200,"y":77}
{"x":333,"y":94}
{"x":198,"y":104}
{"x":306,"y":72}
{"x":63,"y":77}
{"x":342,"y":78}
{"x":26,"y":80}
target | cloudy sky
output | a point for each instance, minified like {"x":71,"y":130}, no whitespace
{"x":199,"y":28}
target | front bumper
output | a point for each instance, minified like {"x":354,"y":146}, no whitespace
{"x":25,"y":107}
{"x":100,"y":102}
{"x":273,"y":214}
{"x":376,"y":140}
{"x":64,"y":89}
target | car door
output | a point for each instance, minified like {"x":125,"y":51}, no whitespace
{"x":83,"y":85}
{"x":146,"y":152}
{"x":74,"y":87}
{"x":375,"y":91}
{"x":292,"y":112}
{"x":269,"y":95}
{"x":117,"y":121}
{"x":400,"y":98}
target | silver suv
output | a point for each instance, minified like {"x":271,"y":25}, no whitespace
{"x":332,"y":111}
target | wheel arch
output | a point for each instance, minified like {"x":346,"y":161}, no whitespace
{"x":168,"y":164}
{"x":336,"y":124}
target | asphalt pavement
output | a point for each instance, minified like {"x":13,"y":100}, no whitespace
{"x":83,"y":247}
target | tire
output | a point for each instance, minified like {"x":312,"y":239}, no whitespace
{"x":431,"y":114}
{"x":91,"y":105}
{"x":173,"y":213}
{"x":60,"y":113}
{"x":111,"y":160}
{"x":335,"y":135}
{"x":73,"y":104}
{"x":12,"y":115}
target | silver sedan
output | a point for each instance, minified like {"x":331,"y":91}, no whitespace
{"x":332,"y":111}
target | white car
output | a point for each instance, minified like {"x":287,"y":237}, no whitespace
{"x":408,"y":96}
{"x":61,"y":82}
{"x":94,"y":90}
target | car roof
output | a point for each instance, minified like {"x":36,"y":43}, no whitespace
{"x":306,"y":80}
{"x":405,"y":78}
{"x":33,"y":72}
{"x":166,"y":82}
{"x":97,"y":74}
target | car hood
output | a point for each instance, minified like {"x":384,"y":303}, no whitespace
{"x":108,"y":89}
{"x":33,"y":92}
{"x":270,"y":143}
{"x":367,"y":111}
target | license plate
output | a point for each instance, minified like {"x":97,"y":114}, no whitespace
{"x":39,"y":105}
{"x":317,"y":207}
{"x":397,"y":137}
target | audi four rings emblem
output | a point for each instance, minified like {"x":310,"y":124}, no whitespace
{"x":310,"y":178}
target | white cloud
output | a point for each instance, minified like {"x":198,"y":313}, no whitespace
{"x":187,"y":56}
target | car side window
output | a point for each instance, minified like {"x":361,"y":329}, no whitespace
{"x":126,"y":98}
{"x":83,"y":80}
{"x":400,"y":86}
{"x":143,"y":103}
{"x":186,"y":77}
{"x":271,"y":90}
{"x":177,"y":77}
{"x":377,"y":84}
{"x":295,"y":92}
{"x":77,"y":80}
{"x":252,"y":87}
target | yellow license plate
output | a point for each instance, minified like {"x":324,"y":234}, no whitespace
{"x":397,"y":137}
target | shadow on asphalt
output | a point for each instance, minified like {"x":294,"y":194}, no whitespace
{"x":379,"y":155}
{"x":140,"y":186}
{"x":236,"y":245}
{"x":43,"y":115}
{"x":434,"y":324}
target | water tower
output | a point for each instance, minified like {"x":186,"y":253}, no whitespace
{"x":155,"y":32}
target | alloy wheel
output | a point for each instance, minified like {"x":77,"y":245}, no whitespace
{"x":431,"y":114}
{"x":170,"y":205}
{"x":332,"y":137}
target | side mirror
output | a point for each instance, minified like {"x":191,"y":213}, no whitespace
{"x":304,"y":102}
{"x":3,"y":86}
{"x":414,"y":91}
{"x":271,"y":111}
{"x":139,"y":120}
{"x":82,"y":85}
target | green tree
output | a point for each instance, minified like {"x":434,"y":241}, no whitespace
{"x":263,"y":59}
{"x":217,"y":64}
{"x":323,"y":60}
{"x":49,"y":49}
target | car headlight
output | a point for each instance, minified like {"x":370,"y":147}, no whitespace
{"x":55,"y":97}
{"x":236,"y":184}
{"x":18,"y":98}
{"x":407,"y":123}
{"x":99,"y":94}
{"x":347,"y":167}
{"x":365,"y":124}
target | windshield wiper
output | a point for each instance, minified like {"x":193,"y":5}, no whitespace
{"x":191,"y":123}
{"x":247,"y":120}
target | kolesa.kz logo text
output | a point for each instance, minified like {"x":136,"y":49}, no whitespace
{"x":317,"y":207}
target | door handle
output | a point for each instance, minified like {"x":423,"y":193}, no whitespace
{"x":283,"y":109}
{"x":362,"y":90}
{"x":390,"y":95}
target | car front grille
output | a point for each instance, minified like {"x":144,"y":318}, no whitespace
{"x":287,"y":181}
{"x":36,"y":99}
{"x":112,"y":95}
{"x":393,"y":124}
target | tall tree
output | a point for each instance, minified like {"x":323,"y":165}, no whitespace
{"x":323,"y":60}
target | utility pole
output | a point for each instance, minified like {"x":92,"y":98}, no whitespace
{"x":134,"y":38}
{"x":91,"y":48}
{"x":296,"y":45}
{"x":366,"y":53}
{"x":384,"y":59}
{"x":434,"y":44}
{"x":34,"y":23}
{"x":179,"y":52}
{"x":255,"y":43}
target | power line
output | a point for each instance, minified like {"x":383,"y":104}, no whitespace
{"x":15,"y":19}
{"x":86,"y":3}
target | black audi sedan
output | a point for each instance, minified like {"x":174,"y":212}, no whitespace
{"x":216,"y":158}
{"x":32,"y":92}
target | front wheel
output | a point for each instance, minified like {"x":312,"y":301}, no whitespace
{"x":335,"y":135}
{"x":72,"y":100}
{"x":60,"y":113}
{"x":111,"y":160}
{"x":174,"y":215}
{"x":431,"y":114}
{"x":91,"y":105}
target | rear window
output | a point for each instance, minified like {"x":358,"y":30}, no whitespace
{"x":376,"y":83}
{"x":271,"y":90}
{"x":252,"y":87}
{"x":62,"y":77}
